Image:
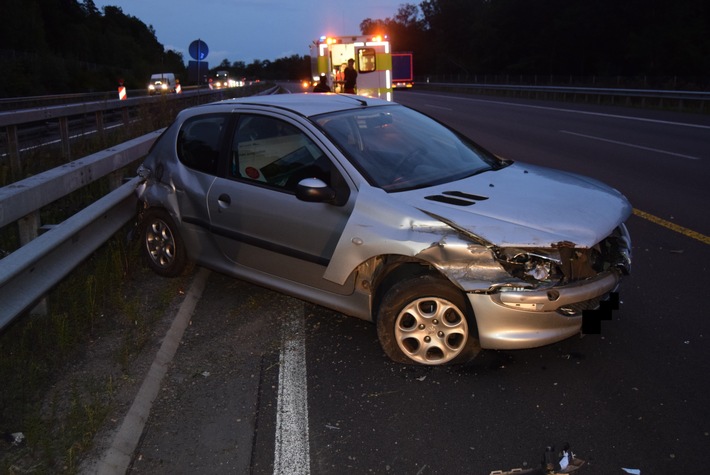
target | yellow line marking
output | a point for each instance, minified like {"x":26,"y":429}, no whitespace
{"x":672,"y":226}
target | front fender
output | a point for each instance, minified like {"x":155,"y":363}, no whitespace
{"x":380,"y":225}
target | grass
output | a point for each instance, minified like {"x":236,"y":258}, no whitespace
{"x":48,"y":393}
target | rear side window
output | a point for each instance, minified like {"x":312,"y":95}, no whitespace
{"x":199,"y":142}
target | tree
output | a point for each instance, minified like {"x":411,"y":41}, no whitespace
{"x":571,"y":37}
{"x":407,"y":32}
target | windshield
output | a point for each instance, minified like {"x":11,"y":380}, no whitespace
{"x":397,"y":148}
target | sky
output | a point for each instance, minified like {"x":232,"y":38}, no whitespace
{"x":245,"y":30}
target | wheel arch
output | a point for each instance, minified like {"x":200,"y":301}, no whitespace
{"x":391,"y":269}
{"x":178,"y":261}
{"x":416,"y":321}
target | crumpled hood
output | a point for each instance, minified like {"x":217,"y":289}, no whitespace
{"x":525,"y":206}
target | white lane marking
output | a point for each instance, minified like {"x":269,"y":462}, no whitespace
{"x":117,"y":458}
{"x":292,"y":450}
{"x":630,"y":145}
{"x":572,"y":111}
{"x":438,"y":107}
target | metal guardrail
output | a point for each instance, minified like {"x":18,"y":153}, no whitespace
{"x":16,"y":111}
{"x":27,"y":102}
{"x":609,"y":91}
{"x":27,"y":274}
{"x":24,"y":197}
{"x":13,"y":121}
{"x":694,"y":100}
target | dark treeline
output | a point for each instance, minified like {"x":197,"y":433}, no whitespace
{"x":554,"y":37}
{"x":64,"y":46}
{"x":60,"y":46}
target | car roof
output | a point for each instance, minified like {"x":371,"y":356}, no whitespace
{"x":307,"y":104}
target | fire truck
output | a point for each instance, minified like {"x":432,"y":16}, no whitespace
{"x":373,"y":62}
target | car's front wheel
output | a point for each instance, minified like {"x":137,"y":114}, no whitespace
{"x":425,"y":320}
{"x":162,"y":245}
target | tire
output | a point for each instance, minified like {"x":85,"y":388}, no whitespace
{"x":426,"y":320}
{"x":161,"y":244}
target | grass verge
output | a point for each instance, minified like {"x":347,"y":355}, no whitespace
{"x":61,"y":371}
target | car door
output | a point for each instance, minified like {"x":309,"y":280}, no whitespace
{"x":198,"y":146}
{"x":257,"y":219}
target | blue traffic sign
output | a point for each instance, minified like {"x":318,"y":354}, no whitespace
{"x":198,"y":50}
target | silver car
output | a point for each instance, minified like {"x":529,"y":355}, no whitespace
{"x":377,"y":211}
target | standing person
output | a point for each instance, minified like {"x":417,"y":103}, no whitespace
{"x":322,"y":85}
{"x":350,"y":77}
{"x":340,"y":78}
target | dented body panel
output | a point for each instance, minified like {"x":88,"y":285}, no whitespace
{"x":396,"y":222}
{"x":510,"y":313}
{"x":530,"y":318}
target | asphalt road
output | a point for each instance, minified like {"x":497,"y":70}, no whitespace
{"x":634,"y":396}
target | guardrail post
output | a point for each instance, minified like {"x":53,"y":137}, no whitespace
{"x":64,"y":135}
{"x":126,"y":118}
{"x":13,"y":150}
{"x":115,"y":179}
{"x":28,"y":230}
{"x":29,"y":227}
{"x":100,"y":123}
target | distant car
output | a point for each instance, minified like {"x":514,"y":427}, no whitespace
{"x":222,"y":80}
{"x":161,"y":83}
{"x":377,"y":211}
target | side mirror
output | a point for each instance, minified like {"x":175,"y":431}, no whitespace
{"x":314,"y":190}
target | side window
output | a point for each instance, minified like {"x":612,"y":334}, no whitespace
{"x":272,"y":152}
{"x":199,"y":141}
{"x":366,"y":60}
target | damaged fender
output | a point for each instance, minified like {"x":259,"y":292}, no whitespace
{"x":379,"y":226}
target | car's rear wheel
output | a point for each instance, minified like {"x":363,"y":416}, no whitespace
{"x":163,"y":247}
{"x":425,"y":320}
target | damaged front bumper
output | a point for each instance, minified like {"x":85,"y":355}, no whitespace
{"x":517,"y":319}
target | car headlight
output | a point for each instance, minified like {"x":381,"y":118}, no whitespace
{"x":566,"y":263}
{"x":530,"y":265}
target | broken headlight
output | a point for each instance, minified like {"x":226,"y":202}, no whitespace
{"x":530,"y":265}
{"x":565,"y":263}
